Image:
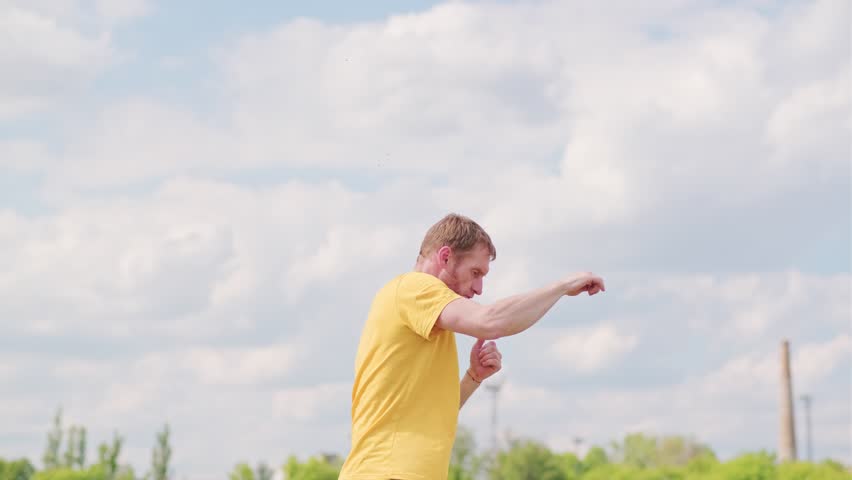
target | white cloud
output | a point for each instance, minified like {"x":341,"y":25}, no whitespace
{"x":191,"y":259}
{"x":590,"y":349}
{"x":53,"y":48}
{"x":814,"y":362}
{"x":344,"y":248}
{"x":540,"y":117}
{"x":115,"y":11}
{"x":732,"y":406}
{"x":816,"y":27}
{"x":307,"y":403}
{"x":743,"y":307}
{"x":139,"y":139}
{"x":110,"y":266}
{"x":44,"y":58}
{"x":7,"y":371}
{"x":235,"y":272}
{"x":247,"y":366}
{"x":75,"y":368}
{"x":23,"y":155}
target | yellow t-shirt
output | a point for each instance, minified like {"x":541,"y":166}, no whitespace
{"x":405,"y":399}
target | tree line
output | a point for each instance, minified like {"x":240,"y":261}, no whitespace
{"x":635,"y":457}
{"x":69,"y":463}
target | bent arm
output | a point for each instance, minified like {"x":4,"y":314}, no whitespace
{"x":466,"y":386}
{"x":503,"y":318}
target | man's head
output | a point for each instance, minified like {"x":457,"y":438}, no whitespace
{"x":458,"y":251}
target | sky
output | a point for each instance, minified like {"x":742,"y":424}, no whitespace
{"x":198,"y":201}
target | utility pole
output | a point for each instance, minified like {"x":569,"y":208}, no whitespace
{"x":578,"y":467}
{"x":494,"y":388}
{"x":787,"y":433}
{"x":806,"y":399}
{"x":577,"y":442}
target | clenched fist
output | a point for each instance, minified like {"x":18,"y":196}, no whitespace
{"x":485,"y":360}
{"x":584,"y":282}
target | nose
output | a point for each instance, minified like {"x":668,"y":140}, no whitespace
{"x":477,"y":286}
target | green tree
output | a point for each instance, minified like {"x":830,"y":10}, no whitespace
{"x":313,"y":469}
{"x":70,"y":458}
{"x":54,"y":441}
{"x":95,"y":472}
{"x":680,"y":450}
{"x":75,"y":448}
{"x":595,"y":458}
{"x":702,"y":464}
{"x":749,"y":466}
{"x":80,"y":458}
{"x":464,"y":463}
{"x":635,"y":450}
{"x":527,"y":460}
{"x":812,"y":471}
{"x":20,"y":469}
{"x":161,"y":455}
{"x":644,"y":451}
{"x":263,"y":472}
{"x":620,"y":471}
{"x":242,"y":471}
{"x":108,"y":456}
{"x":572,"y":467}
{"x":125,"y":472}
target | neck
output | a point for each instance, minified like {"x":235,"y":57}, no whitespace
{"x":427,"y":265}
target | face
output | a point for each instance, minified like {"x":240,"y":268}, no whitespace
{"x":464,"y":273}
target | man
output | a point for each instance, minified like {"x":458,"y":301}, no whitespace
{"x":406,"y":395}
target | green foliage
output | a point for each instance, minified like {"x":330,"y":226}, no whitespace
{"x":636,"y":457}
{"x":242,"y":471}
{"x":95,"y":472}
{"x":464,"y":463}
{"x":528,"y":459}
{"x":810,"y":471}
{"x":702,"y":464}
{"x":631,"y":472}
{"x":678,"y":450}
{"x":108,"y":456}
{"x":263,"y":472}
{"x":75,"y":448}
{"x":80,"y":457}
{"x":71,"y":448}
{"x":635,"y":450}
{"x":125,"y":473}
{"x":54,"y":441}
{"x":161,"y":455}
{"x":644,"y":451}
{"x":20,"y":469}
{"x":572,"y":467}
{"x":313,"y":469}
{"x":595,"y":458}
{"x":750,"y":466}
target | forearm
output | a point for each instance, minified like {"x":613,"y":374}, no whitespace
{"x":467,"y":386}
{"x":515,"y":314}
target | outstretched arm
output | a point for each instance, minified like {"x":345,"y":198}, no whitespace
{"x":515,"y":314}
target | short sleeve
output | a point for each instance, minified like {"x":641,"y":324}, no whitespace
{"x":420,"y":299}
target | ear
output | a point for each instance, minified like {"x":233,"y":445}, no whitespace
{"x":444,"y":254}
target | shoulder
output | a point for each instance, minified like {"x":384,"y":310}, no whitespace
{"x":418,"y":281}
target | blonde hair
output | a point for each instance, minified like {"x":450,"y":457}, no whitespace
{"x":457,"y":232}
